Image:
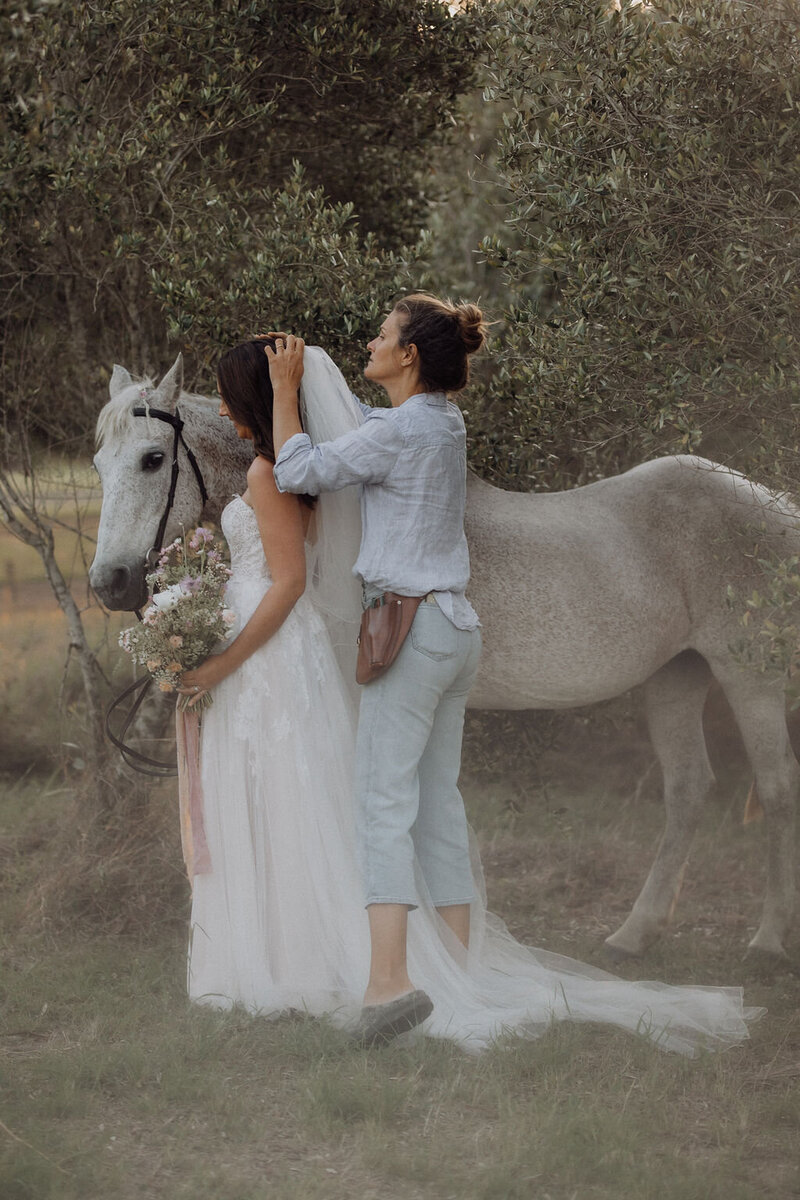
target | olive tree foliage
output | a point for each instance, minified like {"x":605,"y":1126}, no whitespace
{"x":190,"y":171}
{"x":180,"y":175}
{"x":650,"y":158}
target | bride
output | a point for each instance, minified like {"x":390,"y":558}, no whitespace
{"x":278,"y":921}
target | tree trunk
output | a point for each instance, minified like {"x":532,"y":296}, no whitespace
{"x":25,"y":521}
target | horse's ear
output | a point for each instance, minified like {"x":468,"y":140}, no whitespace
{"x":170,"y":388}
{"x":120,"y":378}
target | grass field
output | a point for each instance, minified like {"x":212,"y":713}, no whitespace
{"x":115,"y":1088}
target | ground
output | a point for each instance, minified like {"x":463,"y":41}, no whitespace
{"x":115,"y":1086}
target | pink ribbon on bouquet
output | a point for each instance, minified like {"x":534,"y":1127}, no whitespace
{"x":190,"y":793}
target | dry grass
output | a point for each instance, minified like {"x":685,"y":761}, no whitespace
{"x":120,"y":1088}
{"x":119,"y":872}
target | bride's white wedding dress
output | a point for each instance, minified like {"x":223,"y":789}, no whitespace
{"x":279,"y":921}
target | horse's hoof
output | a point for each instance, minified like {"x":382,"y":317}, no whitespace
{"x":766,"y":959}
{"x":619,"y":954}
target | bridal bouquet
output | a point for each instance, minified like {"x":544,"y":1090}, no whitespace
{"x":187,"y":615}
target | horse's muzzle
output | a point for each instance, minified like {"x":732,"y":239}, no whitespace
{"x":118,"y":586}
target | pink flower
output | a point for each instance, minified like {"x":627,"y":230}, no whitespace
{"x":200,"y":537}
{"x":176,"y":640}
{"x":166,"y":553}
{"x":153,"y":664}
{"x":165,"y":686}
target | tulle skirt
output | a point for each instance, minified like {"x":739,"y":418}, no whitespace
{"x":279,"y":921}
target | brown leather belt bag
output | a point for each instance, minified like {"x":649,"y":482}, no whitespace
{"x":384,"y":627}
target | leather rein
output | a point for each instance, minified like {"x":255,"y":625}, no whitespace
{"x":134,"y":758}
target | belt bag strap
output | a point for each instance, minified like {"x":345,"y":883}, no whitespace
{"x":384,"y":628}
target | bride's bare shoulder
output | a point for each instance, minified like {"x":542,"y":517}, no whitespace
{"x":260,"y":472}
{"x":261,"y":485}
{"x":269,"y":503}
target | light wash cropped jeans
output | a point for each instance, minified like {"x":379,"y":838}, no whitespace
{"x":408,"y":758}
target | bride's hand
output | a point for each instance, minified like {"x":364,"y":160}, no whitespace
{"x":203,"y":678}
{"x":286,"y":362}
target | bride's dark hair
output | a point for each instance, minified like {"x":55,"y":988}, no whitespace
{"x":245,"y":386}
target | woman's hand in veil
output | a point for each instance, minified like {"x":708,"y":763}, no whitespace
{"x":285,"y":372}
{"x":286,"y":363}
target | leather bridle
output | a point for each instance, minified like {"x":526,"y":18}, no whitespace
{"x":176,"y":421}
{"x":134,"y":758}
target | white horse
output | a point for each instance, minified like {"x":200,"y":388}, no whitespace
{"x":583,"y":595}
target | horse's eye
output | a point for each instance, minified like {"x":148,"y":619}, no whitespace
{"x":152,"y":460}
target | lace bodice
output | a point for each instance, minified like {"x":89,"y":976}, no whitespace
{"x":240,"y":526}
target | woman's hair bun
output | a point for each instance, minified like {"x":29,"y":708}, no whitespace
{"x":445,"y":335}
{"x":473,"y":326}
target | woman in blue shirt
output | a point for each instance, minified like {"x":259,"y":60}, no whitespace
{"x":410,"y":461}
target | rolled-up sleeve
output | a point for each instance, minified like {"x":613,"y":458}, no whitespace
{"x":365,"y":455}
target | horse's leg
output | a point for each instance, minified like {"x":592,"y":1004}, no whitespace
{"x":759,"y":705}
{"x":675,"y":697}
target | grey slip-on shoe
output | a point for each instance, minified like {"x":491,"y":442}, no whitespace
{"x":381,"y":1023}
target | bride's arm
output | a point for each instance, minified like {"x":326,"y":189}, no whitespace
{"x":280,"y":524}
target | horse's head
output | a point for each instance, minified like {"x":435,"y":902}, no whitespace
{"x":134,"y":462}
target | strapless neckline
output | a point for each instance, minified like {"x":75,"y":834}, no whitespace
{"x":240,"y":528}
{"x":238,"y":496}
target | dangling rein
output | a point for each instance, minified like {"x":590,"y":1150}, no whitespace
{"x":190,"y":790}
{"x":134,"y":758}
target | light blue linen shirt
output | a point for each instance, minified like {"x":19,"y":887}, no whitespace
{"x":411,"y":464}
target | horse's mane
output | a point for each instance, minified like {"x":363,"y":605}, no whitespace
{"x":116,"y":416}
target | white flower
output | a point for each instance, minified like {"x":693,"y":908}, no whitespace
{"x":167,"y":599}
